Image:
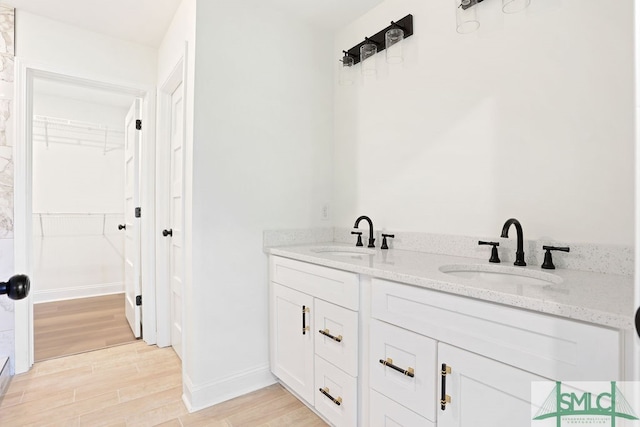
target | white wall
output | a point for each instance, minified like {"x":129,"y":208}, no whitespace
{"x":82,"y":104}
{"x":531,"y":117}
{"x":85,"y":53}
{"x":261,"y":160}
{"x":78,"y":178}
{"x":77,"y":266}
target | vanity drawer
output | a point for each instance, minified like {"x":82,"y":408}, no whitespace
{"x":336,"y":286}
{"x":549,"y":346}
{"x":339,"y":401}
{"x":384,"y":412}
{"x":342,"y":325}
{"x":400,"y":349}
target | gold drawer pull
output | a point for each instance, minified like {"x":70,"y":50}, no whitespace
{"x":389,"y":362}
{"x":325,"y":391}
{"x":326,"y":333}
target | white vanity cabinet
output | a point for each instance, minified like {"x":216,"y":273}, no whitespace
{"x":364,"y":351}
{"x":314,"y":336}
{"x":492,"y":353}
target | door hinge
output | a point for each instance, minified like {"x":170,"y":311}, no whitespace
{"x":138,"y":299}
{"x":138,"y":212}
{"x":139,"y":124}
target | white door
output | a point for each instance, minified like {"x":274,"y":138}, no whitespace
{"x":292,"y":339}
{"x":484,"y":392}
{"x":176,"y":251}
{"x":132,"y":224}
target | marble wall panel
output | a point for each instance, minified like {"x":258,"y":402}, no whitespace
{"x":7,"y":51}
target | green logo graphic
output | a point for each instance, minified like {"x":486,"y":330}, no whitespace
{"x":608,"y":404}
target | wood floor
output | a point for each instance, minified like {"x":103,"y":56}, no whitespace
{"x":134,"y":385}
{"x":74,"y":326}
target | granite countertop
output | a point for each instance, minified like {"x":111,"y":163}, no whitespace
{"x":603,"y":299}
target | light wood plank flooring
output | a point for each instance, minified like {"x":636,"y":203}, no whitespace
{"x":74,"y":326}
{"x":134,"y":385}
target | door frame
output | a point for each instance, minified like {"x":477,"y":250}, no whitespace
{"x":25,"y":73}
{"x":163,"y":185}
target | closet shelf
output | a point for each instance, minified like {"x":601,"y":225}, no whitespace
{"x":53,"y":130}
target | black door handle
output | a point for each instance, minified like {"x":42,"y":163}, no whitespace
{"x":17,"y":287}
{"x":638,"y":321}
{"x":122,"y":226}
{"x":168,"y":232}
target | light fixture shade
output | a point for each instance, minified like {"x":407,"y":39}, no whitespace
{"x":514,"y":6}
{"x":393,"y":45}
{"x":347,"y":76}
{"x":368,"y":59}
{"x":466,"y":16}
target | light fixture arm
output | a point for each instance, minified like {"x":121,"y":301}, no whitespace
{"x":346,"y":55}
{"x":367,"y":40}
{"x":396,"y":25}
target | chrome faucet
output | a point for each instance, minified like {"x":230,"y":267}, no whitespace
{"x":366,"y":218}
{"x":519,"y":250}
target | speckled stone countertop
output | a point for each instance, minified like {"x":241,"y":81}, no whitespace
{"x":603,"y":299}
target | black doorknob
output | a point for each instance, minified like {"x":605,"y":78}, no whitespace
{"x":122,"y":226}
{"x":17,"y":287}
{"x":168,"y":232}
{"x":638,"y":321}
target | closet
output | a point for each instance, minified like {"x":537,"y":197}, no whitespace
{"x":77,"y":202}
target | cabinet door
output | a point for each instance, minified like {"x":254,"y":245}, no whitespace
{"x":484,"y":393}
{"x":291,"y":345}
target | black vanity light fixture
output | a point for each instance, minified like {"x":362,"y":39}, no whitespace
{"x":384,"y":39}
{"x":467,"y":17}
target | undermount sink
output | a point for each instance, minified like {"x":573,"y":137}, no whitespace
{"x":501,"y":274}
{"x":344,"y":251}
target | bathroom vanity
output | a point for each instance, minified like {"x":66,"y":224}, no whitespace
{"x":369,"y":337}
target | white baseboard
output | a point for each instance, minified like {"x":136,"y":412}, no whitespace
{"x":202,"y":396}
{"x":50,"y":295}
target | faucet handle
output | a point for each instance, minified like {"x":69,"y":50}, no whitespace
{"x":359,"y":233}
{"x":548,"y":261}
{"x":494,"y":250}
{"x":384,"y":240}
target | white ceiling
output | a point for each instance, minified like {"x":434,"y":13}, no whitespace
{"x":145,"y":21}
